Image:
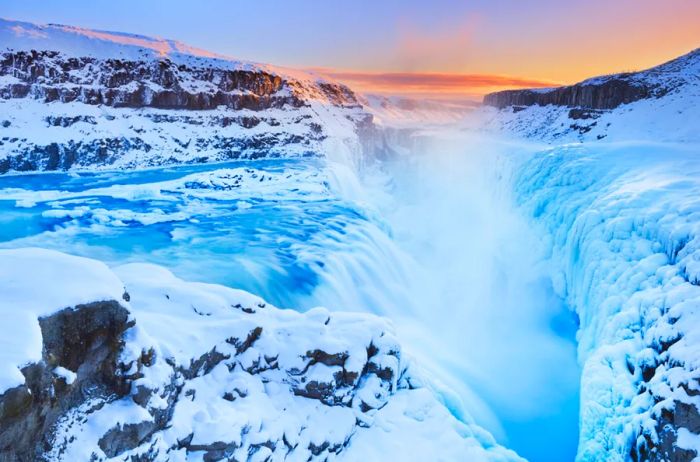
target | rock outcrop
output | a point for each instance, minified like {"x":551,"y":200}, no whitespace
{"x":188,"y":371}
{"x":79,"y":364}
{"x":48,"y":76}
{"x":658,"y":104}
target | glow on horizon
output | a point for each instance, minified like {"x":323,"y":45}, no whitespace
{"x":429,"y":84}
{"x":539,"y":41}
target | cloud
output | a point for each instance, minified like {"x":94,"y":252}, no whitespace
{"x":429,"y":83}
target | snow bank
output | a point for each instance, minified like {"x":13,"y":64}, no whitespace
{"x":217,"y":373}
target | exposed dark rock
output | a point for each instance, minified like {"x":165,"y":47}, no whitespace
{"x":204,"y":364}
{"x":55,"y":156}
{"x":242,"y":346}
{"x":64,"y":121}
{"x":50,"y":76}
{"x":606,"y":92}
{"x":215,"y":451}
{"x":85,"y":340}
{"x":663,"y":448}
{"x":583,"y":114}
{"x":607,"y":95}
{"x":200,"y":85}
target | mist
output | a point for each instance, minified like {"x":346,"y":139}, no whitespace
{"x":465,"y":279}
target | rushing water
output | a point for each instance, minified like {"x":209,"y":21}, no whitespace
{"x":431,"y":241}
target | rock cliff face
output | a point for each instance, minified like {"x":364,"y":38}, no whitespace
{"x":85,"y":339}
{"x":607,"y":92}
{"x":658,"y":104}
{"x":48,"y":76}
{"x":75,"y":98}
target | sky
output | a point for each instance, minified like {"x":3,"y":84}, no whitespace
{"x":433,"y":48}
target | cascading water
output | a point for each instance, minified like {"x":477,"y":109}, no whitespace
{"x":431,"y":240}
{"x":466,"y":282}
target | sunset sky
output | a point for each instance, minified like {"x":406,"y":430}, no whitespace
{"x":434,"y":48}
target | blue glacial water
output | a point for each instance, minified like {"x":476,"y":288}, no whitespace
{"x":271,"y":246}
{"x":443,"y":266}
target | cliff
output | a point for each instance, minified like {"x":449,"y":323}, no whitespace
{"x":607,"y":92}
{"x":78,"y":98}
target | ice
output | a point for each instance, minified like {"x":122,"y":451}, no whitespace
{"x":623,"y":219}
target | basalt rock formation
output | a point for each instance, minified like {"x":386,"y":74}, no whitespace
{"x":105,"y":102}
{"x":607,"y":92}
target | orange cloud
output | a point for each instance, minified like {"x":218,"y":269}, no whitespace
{"x":430,"y":83}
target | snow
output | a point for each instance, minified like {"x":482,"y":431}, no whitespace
{"x":67,"y":375}
{"x":148,"y":137}
{"x":671,"y":118}
{"x":248,"y":397}
{"x":176,"y":141}
{"x":83,"y":42}
{"x":37,"y":283}
{"x":410,"y":418}
{"x":239,"y":183}
{"x":623,"y":219}
{"x":688,"y":440}
{"x":615,"y":197}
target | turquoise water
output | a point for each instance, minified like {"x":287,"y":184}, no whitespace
{"x":273,"y":247}
{"x":300,"y":244}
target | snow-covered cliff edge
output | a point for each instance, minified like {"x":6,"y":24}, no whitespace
{"x":79,"y":98}
{"x":137,"y":364}
{"x":665,"y":107}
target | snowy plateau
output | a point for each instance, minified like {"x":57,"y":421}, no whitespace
{"x":505,"y":282}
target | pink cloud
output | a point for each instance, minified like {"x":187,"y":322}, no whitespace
{"x":429,"y":83}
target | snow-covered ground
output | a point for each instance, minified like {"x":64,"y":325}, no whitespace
{"x":671,"y":117}
{"x":235,"y":376}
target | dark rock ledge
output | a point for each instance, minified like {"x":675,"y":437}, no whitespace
{"x":86,"y":340}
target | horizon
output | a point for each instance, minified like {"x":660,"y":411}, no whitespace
{"x":417,"y":51}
